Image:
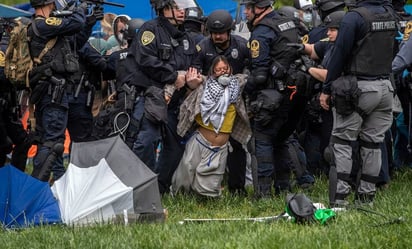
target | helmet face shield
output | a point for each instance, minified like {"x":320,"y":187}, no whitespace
{"x":184,"y":4}
{"x":61,"y":4}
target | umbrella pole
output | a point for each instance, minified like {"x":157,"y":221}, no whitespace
{"x":283,"y":215}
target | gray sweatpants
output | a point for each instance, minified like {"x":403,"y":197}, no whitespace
{"x":376,"y":102}
{"x":201,"y":168}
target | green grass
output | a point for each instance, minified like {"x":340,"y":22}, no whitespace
{"x":350,"y":229}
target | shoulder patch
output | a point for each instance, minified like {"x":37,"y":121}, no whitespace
{"x":147,"y":37}
{"x":53,"y":21}
{"x":198,"y":48}
{"x":254,"y":48}
{"x":2,"y":59}
{"x":305,"y":39}
{"x":407,"y":32}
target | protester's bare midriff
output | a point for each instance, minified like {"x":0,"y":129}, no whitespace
{"x":215,"y":139}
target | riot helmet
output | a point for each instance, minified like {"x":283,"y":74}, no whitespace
{"x":325,"y":7}
{"x":194,"y":14}
{"x":257,"y":3}
{"x":40,"y":3}
{"x":303,"y":4}
{"x":333,"y":20}
{"x":158,"y":5}
{"x":263,"y":3}
{"x":132,"y":26}
{"x":288,"y":11}
{"x":219,"y":21}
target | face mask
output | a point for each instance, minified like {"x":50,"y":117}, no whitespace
{"x":224,"y":79}
{"x":307,"y":17}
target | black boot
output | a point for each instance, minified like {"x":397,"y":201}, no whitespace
{"x":264,"y":187}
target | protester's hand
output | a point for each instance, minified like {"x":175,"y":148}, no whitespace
{"x":167,"y":98}
{"x":324,"y":101}
{"x":180,"y":81}
{"x":298,"y":46}
{"x":193,"y":78}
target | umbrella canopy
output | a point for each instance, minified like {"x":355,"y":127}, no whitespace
{"x":104,"y":179}
{"x":12,"y":12}
{"x":25,"y":201}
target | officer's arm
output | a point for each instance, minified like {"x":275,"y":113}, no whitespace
{"x":343,"y":46}
{"x":147,"y":57}
{"x":67,"y":26}
{"x":403,"y":58}
{"x":93,"y":57}
{"x":318,"y":73}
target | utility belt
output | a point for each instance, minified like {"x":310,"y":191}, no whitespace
{"x":130,"y":94}
{"x":372,"y":78}
{"x":53,"y":86}
{"x":294,"y":79}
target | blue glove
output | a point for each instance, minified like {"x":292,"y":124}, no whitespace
{"x":399,"y":37}
{"x":405,"y":73}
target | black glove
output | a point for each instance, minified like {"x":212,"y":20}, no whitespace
{"x":98,"y":12}
{"x":83,"y":7}
{"x":307,"y":62}
{"x":299,"y":46}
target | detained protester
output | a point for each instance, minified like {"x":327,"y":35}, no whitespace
{"x":221,"y":42}
{"x":218,"y":110}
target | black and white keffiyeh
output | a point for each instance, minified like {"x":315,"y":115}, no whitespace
{"x":217,"y":96}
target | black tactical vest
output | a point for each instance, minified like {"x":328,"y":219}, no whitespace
{"x":372,"y":55}
{"x":287,"y":32}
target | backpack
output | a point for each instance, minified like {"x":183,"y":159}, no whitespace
{"x":18,"y":61}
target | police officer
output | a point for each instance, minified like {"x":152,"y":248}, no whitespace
{"x":368,"y":28}
{"x":271,"y":59}
{"x":49,"y":79}
{"x":11,"y":128}
{"x":221,"y":42}
{"x":318,"y":122}
{"x":162,"y":52}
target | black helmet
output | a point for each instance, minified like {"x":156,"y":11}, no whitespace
{"x":257,"y":3}
{"x":219,"y":21}
{"x":288,"y":11}
{"x":328,"y":5}
{"x":39,"y":3}
{"x":132,"y":26}
{"x":160,"y":4}
{"x":194,"y":14}
{"x":333,"y":20}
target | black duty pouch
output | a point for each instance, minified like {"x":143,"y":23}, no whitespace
{"x":155,"y":106}
{"x":345,"y":94}
{"x":266,"y":103}
{"x":71,"y":60}
{"x":39,"y":91}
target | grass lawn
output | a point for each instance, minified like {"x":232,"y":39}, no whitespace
{"x":350,"y":229}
